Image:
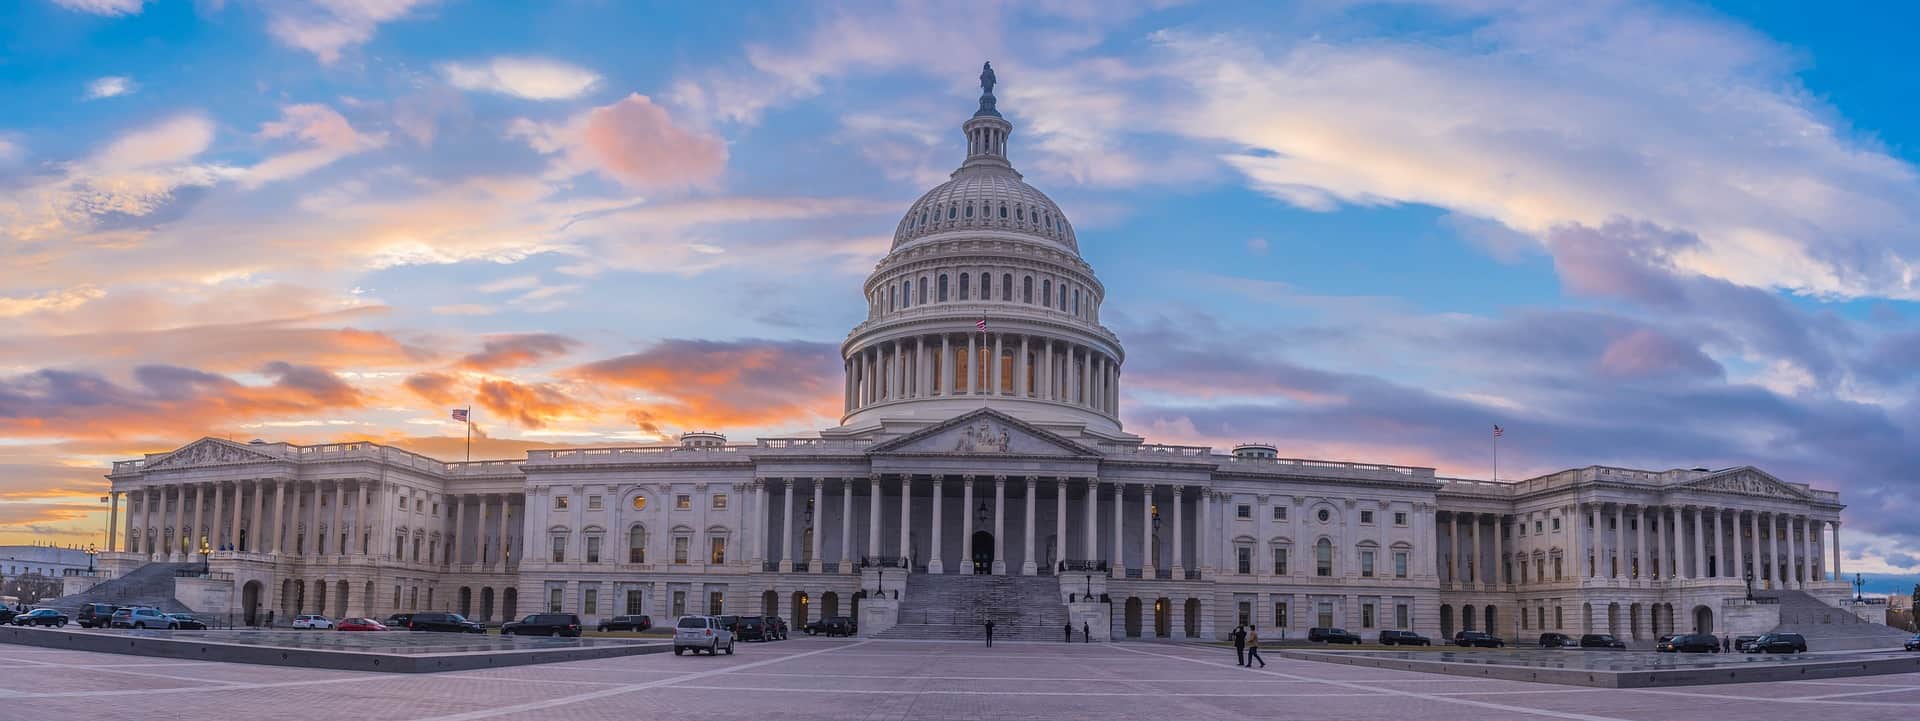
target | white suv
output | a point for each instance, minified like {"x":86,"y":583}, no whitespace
{"x":312,"y":621}
{"x":701,"y":633}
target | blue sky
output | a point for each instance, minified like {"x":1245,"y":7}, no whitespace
{"x":1646,"y":234}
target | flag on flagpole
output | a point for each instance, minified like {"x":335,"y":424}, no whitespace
{"x":981,"y":326}
{"x":1498,"y":431}
{"x":460,"y":414}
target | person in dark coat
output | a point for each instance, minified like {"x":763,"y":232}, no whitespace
{"x":1069,"y":636}
{"x":1726,"y":644}
{"x":1239,"y":636}
{"x":989,"y":633}
{"x":269,"y":619}
{"x":1086,"y":633}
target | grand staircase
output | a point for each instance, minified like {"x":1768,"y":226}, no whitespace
{"x":954,"y":607}
{"x":148,"y":585}
{"x":1832,"y":629}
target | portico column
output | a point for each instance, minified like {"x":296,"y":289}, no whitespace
{"x":1792,"y":574}
{"x":1836,"y":552}
{"x":1458,"y":551}
{"x":946,"y":365}
{"x":1119,"y":548}
{"x":786,"y":526}
{"x":937,"y":563}
{"x":1146,"y":527}
{"x":759,"y":525}
{"x":973,"y":361}
{"x":506,"y":531}
{"x":1719,"y":549}
{"x":256,"y":521}
{"x":312,"y":544}
{"x":1021,"y":387}
{"x":333,"y":527}
{"x":1475,"y":567}
{"x":1203,"y":538}
{"x":999,"y":525}
{"x":279,"y":515}
{"x":1739,"y":566}
{"x":1773,"y":550}
{"x":1059,"y":522}
{"x":873,"y":518}
{"x":995,"y":367}
{"x":846,"y":527}
{"x":1027,"y":564}
{"x":113,"y":520}
{"x":1179,"y":561}
{"x":1660,"y":540}
{"x":1092,"y":532}
{"x":966,"y":525}
{"x":1699,"y":545}
{"x":215,"y":537}
{"x":1499,"y":551}
{"x":1046,"y":371}
{"x":818,"y":563}
{"x":906,"y":520}
{"x":1619,"y":540}
{"x":455,"y":550}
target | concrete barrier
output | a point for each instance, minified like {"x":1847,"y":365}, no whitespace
{"x":1756,"y":672}
{"x":207,"y":649}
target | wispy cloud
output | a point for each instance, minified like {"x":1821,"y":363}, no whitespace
{"x":523,"y":77}
{"x":110,"y":86}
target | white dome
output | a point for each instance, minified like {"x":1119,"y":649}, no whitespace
{"x":986,"y":198}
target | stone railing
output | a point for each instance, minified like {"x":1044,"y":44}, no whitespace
{"x":1073,"y":565}
{"x":1157,"y":449}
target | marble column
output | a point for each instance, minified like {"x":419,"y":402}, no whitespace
{"x":1179,"y":561}
{"x":946,"y":365}
{"x":1456,"y":563}
{"x":873,"y":518}
{"x":1499,"y":573}
{"x":936,"y":563}
{"x":113,"y":520}
{"x":1203,"y":537}
{"x":786,"y":525}
{"x":999,"y":525}
{"x":199,"y":520}
{"x":1476,"y":566}
{"x":1792,"y":573}
{"x":994,"y":369}
{"x":1146,"y":531}
{"x":333,"y":527}
{"x":455,"y":554}
{"x":1837,"y":573}
{"x":1699,"y":565}
{"x":818,"y":562}
{"x":215,"y":536}
{"x":1773,"y":551}
{"x":257,"y":523}
{"x":280,"y":515}
{"x":1719,"y":547}
{"x":973,"y":362}
{"x":1616,"y":568}
{"x":1027,"y":565}
{"x":506,"y":531}
{"x":906,"y":520}
{"x":966,"y":525}
{"x":1119,"y":564}
{"x":1092,"y":531}
{"x":1059,"y":522}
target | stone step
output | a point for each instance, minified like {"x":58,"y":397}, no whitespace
{"x":148,"y":585}
{"x":1830,"y":628}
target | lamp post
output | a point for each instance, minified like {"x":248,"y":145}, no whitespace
{"x":205,"y":550}
{"x":1749,"y":585}
{"x":91,"y":552}
{"x":1859,"y":585}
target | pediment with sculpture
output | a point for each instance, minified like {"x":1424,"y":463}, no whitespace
{"x":208,"y":452}
{"x":1747,"y":481}
{"x":983,"y":432}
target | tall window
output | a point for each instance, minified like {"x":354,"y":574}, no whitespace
{"x":590,"y":600}
{"x":554,"y":597}
{"x":718,"y":550}
{"x":923,"y":290}
{"x":1401,"y":615}
{"x":593,"y":549}
{"x":1046,"y":292}
{"x":1026,"y":289}
{"x":636,"y":602}
{"x":716,"y":603}
{"x":1399,"y":564}
{"x":1280,"y":614}
{"x":986,"y":286}
{"x":680,"y":544}
{"x":559,"y":548}
{"x":637,"y":545}
{"x":965,"y":290}
{"x":943,"y":287}
{"x":1280,"y":561}
{"x":1245,"y":559}
{"x":906,"y":294}
{"x":1366,"y":564}
{"x":1366,"y":615}
{"x":1006,"y":286}
{"x":1323,"y":558}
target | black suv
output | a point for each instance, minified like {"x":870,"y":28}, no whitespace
{"x":1601,"y":640}
{"x":398,"y":620}
{"x":639,"y":622}
{"x":1332,"y":635}
{"x":1479,"y":639}
{"x":1556,"y":640}
{"x":1403,"y":638}
{"x":95,"y":615}
{"x":1778,"y":643}
{"x":542,"y":624}
{"x":831,"y":626}
{"x":752,"y":628}
{"x":1689,"y":643}
{"x":443,"y":622}
{"x":776,"y":627}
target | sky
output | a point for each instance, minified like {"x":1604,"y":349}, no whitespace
{"x":1653,"y":235}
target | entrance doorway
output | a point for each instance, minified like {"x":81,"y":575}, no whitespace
{"x":1162,"y":618}
{"x":250,"y":601}
{"x":1133,"y":617}
{"x":1702,"y":619}
{"x":982,"y":553}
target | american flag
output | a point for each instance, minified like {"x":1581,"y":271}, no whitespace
{"x":1498,"y":431}
{"x":981,"y":326}
{"x":460,"y":414}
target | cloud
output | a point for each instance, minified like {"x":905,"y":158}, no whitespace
{"x":684,"y":384}
{"x":328,"y":27}
{"x":633,"y":141}
{"x":437,"y":388}
{"x":103,"y":7}
{"x":51,"y":301}
{"x":326,"y":135}
{"x":523,"y":77}
{"x":529,"y":405}
{"x":162,"y":401}
{"x":169,"y":142}
{"x":515,"y":350}
{"x":110,"y":86}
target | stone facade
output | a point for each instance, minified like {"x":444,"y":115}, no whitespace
{"x":981,"y":435}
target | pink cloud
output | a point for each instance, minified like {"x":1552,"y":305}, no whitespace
{"x":636,"y":141}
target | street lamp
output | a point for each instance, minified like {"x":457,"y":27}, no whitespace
{"x":1749,"y":585}
{"x":205,"y":549}
{"x":1859,"y":585}
{"x":91,"y":552}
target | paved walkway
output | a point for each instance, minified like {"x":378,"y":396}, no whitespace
{"x":839,"y":679}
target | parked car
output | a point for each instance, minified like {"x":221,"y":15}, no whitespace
{"x":360,"y":624}
{"x":831,"y":626}
{"x":1913,"y":644}
{"x":1689,"y":643}
{"x":1778,"y":643}
{"x":701,"y":633}
{"x":543,"y":624}
{"x":7,"y":614}
{"x":41,"y":617}
{"x":753,"y":628}
{"x":95,"y":615}
{"x":1601,"y":640}
{"x":728,"y":622}
{"x":312,"y":621}
{"x":1740,"y":642}
{"x":1403,"y":638}
{"x":142,"y":617}
{"x":444,"y":623}
{"x":640,"y":622}
{"x":1557,"y":640}
{"x":1478,"y":639}
{"x":398,"y":620}
{"x":776,"y":627}
{"x":1332,"y":635}
{"x":187,"y":622}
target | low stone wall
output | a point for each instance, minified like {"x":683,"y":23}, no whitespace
{"x":1748,"y":618}
{"x":206,"y":649}
{"x":1651,"y":678}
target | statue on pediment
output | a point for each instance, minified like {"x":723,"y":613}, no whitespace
{"x":982,"y":437}
{"x":206,"y":453}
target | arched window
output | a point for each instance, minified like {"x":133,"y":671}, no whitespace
{"x":1063,"y":297}
{"x":923,"y":290}
{"x":1323,"y":558}
{"x":637,"y":544}
{"x":906,"y":294}
{"x":1003,"y":211}
{"x":1076,"y":301}
{"x":943,"y":287}
{"x":1026,"y":290}
{"x":951,"y":211}
{"x":986,"y":286}
{"x":1046,"y":292}
{"x":963,"y":286}
{"x":969,"y":210}
{"x":893,"y":297}
{"x":923,"y":217}
{"x":1006,"y":286}
{"x":1019,"y":214}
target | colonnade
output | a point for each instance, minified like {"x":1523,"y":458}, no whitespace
{"x":945,"y":365}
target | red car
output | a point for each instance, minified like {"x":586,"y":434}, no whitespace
{"x":361,"y":624}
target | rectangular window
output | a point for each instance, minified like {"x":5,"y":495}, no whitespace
{"x":636,"y":602}
{"x":1400,"y":518}
{"x":719,"y":501}
{"x":1246,"y":611}
{"x":593,"y":550}
{"x":1556,"y":524}
{"x":1323,"y":560}
{"x":680,"y":544}
{"x":1540,"y":617}
{"x":1559,"y":617}
{"x":593,"y":503}
{"x":1366,"y":564}
{"x":679,"y":603}
{"x":403,"y":502}
{"x":1280,"y":614}
{"x":1536,"y":526}
{"x":1366,"y":517}
{"x":1279,"y":513}
{"x":1556,"y":569}
{"x":1401,"y":616}
{"x":436,"y":508}
{"x":716,"y":603}
{"x":1244,"y":557}
{"x":559,"y":503}
{"x":590,"y":600}
{"x":1366,"y":615}
{"x":1243,"y":511}
{"x":554,"y":597}
{"x":559,"y":549}
{"x":1399,"y":564}
{"x":1323,"y":614}
{"x":636,"y":548}
{"x":419,"y":505}
{"x":1280,"y":561}
{"x":718,"y":550}
{"x":683,"y":503}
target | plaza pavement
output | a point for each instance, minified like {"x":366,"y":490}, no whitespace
{"x":853,"y":679}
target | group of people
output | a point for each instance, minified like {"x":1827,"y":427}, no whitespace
{"x":1086,"y":632}
{"x":1246,"y":646}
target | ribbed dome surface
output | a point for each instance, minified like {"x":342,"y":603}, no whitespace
{"x":986,"y":198}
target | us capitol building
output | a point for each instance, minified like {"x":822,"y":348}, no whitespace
{"x":980,"y":471}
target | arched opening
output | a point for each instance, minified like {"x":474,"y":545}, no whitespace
{"x":799,"y":609}
{"x":1493,"y":618}
{"x":486,"y":604}
{"x":466,"y":601}
{"x":1586,"y":617}
{"x":1133,"y":617}
{"x":854,"y":606}
{"x":982,"y":553}
{"x":299,"y":598}
{"x":1633,"y":621}
{"x":366,"y":599}
{"x":770,"y":603}
{"x":250,"y":602}
{"x":340,"y":597}
{"x":320,"y":597}
{"x":1613,"y":619}
{"x":511,"y":602}
{"x":1162,"y":617}
{"x":245,"y":544}
{"x":1446,"y":621}
{"x":1466,"y":618}
{"x":829,"y":604}
{"x":1193,"y":618}
{"x":1702,"y":619}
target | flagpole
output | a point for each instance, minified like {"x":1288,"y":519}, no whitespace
{"x":469,"y":433}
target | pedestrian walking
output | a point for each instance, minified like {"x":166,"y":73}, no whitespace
{"x":1726,"y":644}
{"x":1239,"y":636}
{"x":1253,"y":647}
{"x":1069,"y":637}
{"x":1086,"y":633}
{"x":269,"y":619}
{"x":989,"y":633}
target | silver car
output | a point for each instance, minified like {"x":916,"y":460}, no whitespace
{"x":144,"y":618}
{"x":701,"y":633}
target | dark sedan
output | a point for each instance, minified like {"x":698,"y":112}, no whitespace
{"x":1333,"y":635}
{"x":1778,"y":643}
{"x":831,"y":626}
{"x":1557,"y":640}
{"x":1913,"y":644}
{"x":1689,"y":643}
{"x":41,"y":617}
{"x":1403,"y":638}
{"x":639,"y":622}
{"x":1601,"y":640}
{"x":187,"y":622}
{"x":1478,"y":639}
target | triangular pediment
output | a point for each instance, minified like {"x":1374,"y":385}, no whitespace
{"x":984,"y":432}
{"x":1747,"y":481}
{"x":209,"y":452}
